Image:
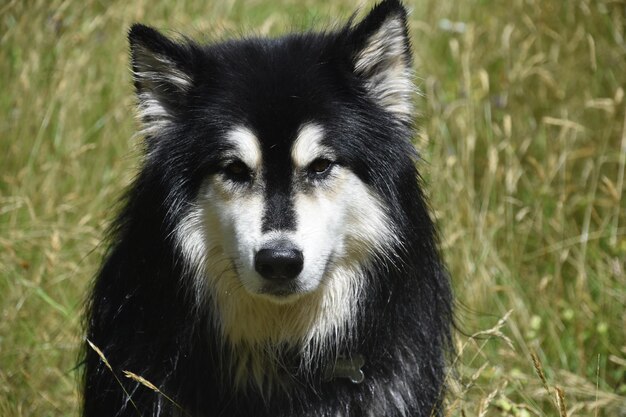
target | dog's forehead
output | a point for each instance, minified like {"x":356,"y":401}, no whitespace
{"x":284,"y":90}
{"x":276,"y":84}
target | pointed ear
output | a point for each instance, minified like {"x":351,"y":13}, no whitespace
{"x":162,"y":72}
{"x":381,"y":56}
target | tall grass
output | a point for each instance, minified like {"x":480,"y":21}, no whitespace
{"x":524,"y":125}
{"x":523,"y":139}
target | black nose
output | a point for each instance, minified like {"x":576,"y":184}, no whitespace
{"x":279,"y":264}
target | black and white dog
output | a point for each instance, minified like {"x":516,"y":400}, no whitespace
{"x":275,"y":255}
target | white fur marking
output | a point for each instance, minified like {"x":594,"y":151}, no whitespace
{"x":307,"y":146}
{"x":247,"y":147}
{"x":191,"y":237}
{"x":152,"y":114}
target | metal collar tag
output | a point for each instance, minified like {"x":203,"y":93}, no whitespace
{"x":347,"y":367}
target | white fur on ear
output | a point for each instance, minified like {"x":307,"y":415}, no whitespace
{"x":157,"y":79}
{"x":384,"y":61}
{"x":161,"y":83}
{"x":156,"y":68}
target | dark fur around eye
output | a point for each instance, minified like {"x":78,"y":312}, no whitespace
{"x":320,"y":167}
{"x":237,"y":171}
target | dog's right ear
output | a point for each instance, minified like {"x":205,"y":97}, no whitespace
{"x":162,"y":72}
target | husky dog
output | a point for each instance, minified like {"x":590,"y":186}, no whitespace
{"x":275,"y":255}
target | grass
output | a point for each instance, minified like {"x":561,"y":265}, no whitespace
{"x":524,"y":140}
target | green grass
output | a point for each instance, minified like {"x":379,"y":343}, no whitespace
{"x":524,"y":140}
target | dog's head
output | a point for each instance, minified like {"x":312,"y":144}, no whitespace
{"x":291,"y":152}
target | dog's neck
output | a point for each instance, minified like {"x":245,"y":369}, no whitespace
{"x":269,"y":369}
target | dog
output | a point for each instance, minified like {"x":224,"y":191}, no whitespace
{"x":275,"y":255}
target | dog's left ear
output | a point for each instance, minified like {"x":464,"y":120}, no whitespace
{"x":380,"y":54}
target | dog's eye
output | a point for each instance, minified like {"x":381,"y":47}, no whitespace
{"x":320,"y":166}
{"x":237,"y":171}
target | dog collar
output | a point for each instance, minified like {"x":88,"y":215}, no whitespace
{"x":347,"y":367}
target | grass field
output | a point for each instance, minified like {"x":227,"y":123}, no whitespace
{"x":524,"y":140}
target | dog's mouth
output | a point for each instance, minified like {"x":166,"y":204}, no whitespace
{"x":282,"y":292}
{"x":281,"y":275}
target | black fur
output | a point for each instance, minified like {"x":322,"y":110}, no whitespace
{"x":141,"y":313}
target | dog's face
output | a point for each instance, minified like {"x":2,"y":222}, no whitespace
{"x":288,"y":151}
{"x":288,"y":218}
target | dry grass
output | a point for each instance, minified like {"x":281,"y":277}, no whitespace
{"x":524,"y":125}
{"x":524,"y":137}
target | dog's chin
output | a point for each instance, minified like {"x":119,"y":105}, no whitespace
{"x":281,"y":298}
{"x":279,"y":293}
